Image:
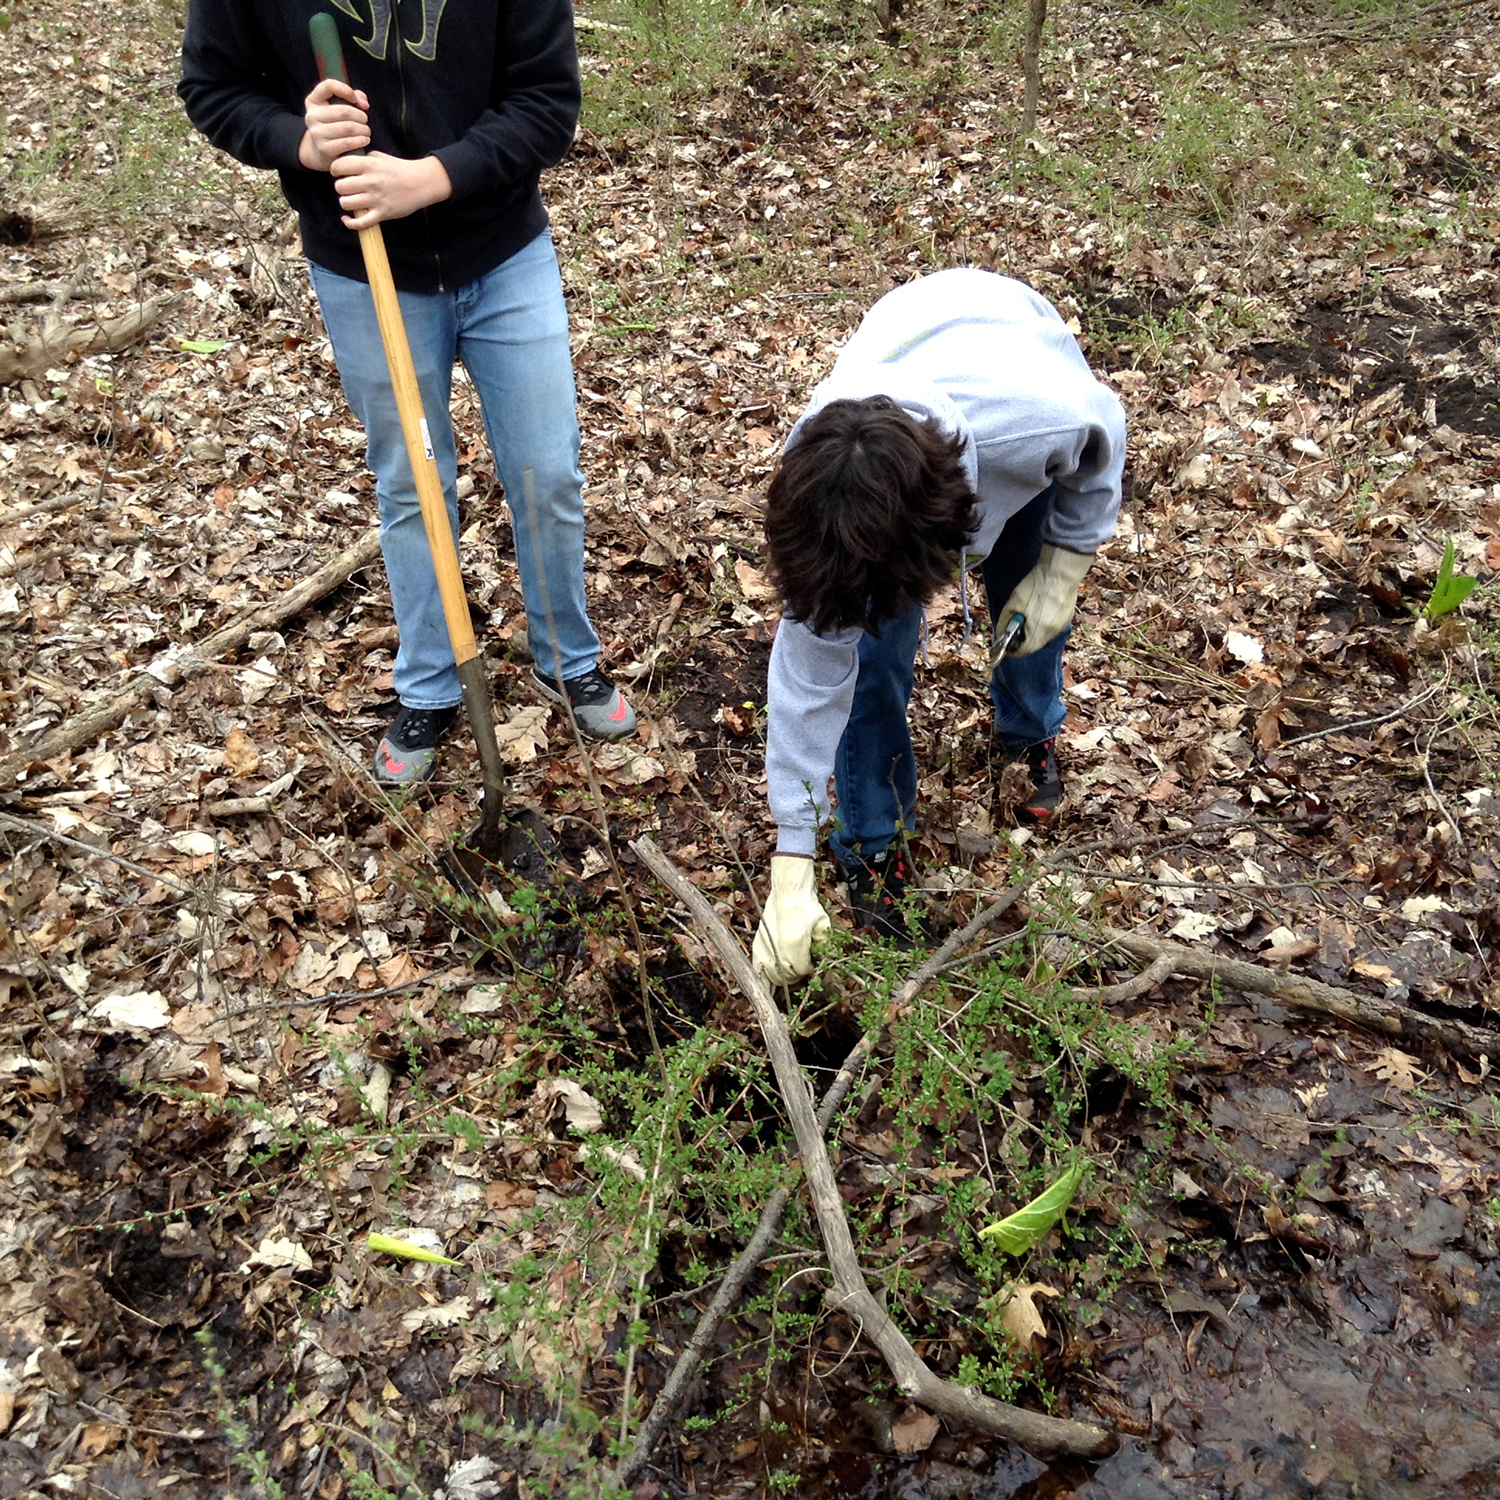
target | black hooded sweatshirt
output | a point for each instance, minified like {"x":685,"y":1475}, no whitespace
{"x":489,"y":87}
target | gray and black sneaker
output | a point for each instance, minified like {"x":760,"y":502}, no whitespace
{"x":598,"y":707}
{"x":407,"y":751}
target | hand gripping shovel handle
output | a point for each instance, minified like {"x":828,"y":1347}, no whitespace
{"x":329,"y":51}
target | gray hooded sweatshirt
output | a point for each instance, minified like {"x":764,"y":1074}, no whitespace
{"x":994,"y":362}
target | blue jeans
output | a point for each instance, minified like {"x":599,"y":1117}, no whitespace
{"x":510,"y":329}
{"x":875,"y":770}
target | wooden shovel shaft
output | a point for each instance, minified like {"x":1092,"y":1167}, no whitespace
{"x":419,"y":446}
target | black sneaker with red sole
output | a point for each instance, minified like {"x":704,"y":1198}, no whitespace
{"x":877,"y":887}
{"x":1040,"y":804}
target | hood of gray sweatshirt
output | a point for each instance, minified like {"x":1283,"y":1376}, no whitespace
{"x":994,"y":362}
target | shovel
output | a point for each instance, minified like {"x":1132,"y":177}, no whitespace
{"x":515,"y":846}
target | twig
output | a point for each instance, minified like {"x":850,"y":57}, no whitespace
{"x":232,"y":807}
{"x":1389,"y":1017}
{"x":851,"y":1295}
{"x":94,"y":851}
{"x":1395,"y":713}
{"x":1458,"y":838}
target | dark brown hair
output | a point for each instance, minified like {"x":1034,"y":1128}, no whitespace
{"x":866,"y":513}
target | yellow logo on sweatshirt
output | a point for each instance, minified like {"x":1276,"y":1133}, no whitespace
{"x":382,"y":13}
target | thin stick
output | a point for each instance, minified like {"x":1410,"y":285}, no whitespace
{"x":1395,"y":713}
{"x":50,"y":835}
{"x":851,"y":1295}
{"x":41,"y":507}
{"x":50,"y":291}
{"x":1458,"y":838}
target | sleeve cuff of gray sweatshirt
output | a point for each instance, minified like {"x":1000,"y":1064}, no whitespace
{"x":802,"y":841}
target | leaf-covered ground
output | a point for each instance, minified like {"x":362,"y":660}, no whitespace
{"x":232,"y":1042}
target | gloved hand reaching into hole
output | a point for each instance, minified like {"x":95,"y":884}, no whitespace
{"x":792,"y":924}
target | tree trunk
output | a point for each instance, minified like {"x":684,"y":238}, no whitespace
{"x":1033,"y":65}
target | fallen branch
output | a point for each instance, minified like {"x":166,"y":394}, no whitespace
{"x":1155,"y":973}
{"x":169,"y":670}
{"x":55,"y":341}
{"x":49,"y":291}
{"x":1375,"y":31}
{"x":41,"y":507}
{"x":1353,"y":724}
{"x":1389,"y":1017}
{"x":850,"y":1295}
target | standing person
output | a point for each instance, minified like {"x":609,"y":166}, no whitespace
{"x":461,"y":104}
{"x":961,"y":425}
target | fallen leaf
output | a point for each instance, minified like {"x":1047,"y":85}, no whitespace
{"x":1182,"y":1183}
{"x":469,"y":1479}
{"x":524,"y":733}
{"x":626,"y":764}
{"x":444,"y":1315}
{"x":1193,"y":925}
{"x":1019,"y":1313}
{"x":144,"y":1011}
{"x":914,"y":1430}
{"x":1021,"y":1231}
{"x":400,"y":968}
{"x":1244,"y":647}
{"x":193,"y":842}
{"x":240,"y":753}
{"x":409,"y":1249}
{"x":274,"y":1254}
{"x":1417,"y":907}
{"x":1394,"y":1066}
{"x":753,"y":583}
{"x":581,"y":1108}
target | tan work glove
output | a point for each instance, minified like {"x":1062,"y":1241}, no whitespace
{"x":1047,"y":596}
{"x":793,"y":921}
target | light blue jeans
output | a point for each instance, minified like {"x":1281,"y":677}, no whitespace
{"x":510,"y":329}
{"x":875,"y":768}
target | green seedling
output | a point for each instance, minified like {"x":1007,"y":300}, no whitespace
{"x":1450,"y":590}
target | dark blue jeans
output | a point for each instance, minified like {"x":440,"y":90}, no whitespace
{"x":875,"y":770}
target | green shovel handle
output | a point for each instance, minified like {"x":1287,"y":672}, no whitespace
{"x":329,"y":50}
{"x":327,"y":47}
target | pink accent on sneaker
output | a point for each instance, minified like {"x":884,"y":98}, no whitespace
{"x":619,"y":714}
{"x":394,"y":766}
